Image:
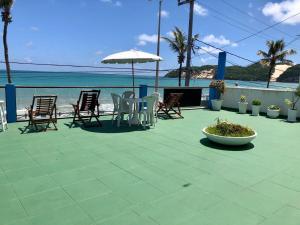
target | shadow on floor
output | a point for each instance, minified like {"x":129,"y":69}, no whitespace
{"x":206,"y":142}
{"x":107,"y":127}
{"x":40,"y":129}
{"x":166,"y":117}
{"x":286,"y":121}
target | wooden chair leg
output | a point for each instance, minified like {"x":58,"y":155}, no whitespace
{"x":97,"y":119}
{"x":54,"y":123}
{"x":113,"y":117}
{"x":74,"y":118}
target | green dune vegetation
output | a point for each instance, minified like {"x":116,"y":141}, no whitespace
{"x":253,"y":72}
{"x":290,"y":75}
{"x":248,"y":73}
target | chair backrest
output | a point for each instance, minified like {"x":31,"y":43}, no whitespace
{"x":157,"y":97}
{"x":125,"y":104}
{"x":117,"y":100}
{"x":149,"y":103}
{"x":128,"y":94}
{"x":173,"y":99}
{"x":43,"y":105}
{"x":88,"y":100}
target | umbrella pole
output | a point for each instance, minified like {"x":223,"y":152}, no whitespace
{"x":132,"y":66}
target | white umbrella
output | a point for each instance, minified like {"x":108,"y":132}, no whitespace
{"x":131,"y":57}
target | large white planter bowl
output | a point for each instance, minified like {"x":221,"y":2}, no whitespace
{"x":216,"y":104}
{"x":292,"y":115}
{"x":273,"y":113}
{"x":233,"y":141}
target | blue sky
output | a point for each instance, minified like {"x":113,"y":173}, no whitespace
{"x":84,"y":31}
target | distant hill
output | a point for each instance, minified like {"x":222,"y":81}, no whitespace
{"x":195,"y":70}
{"x":290,"y":75}
{"x":254,"y":72}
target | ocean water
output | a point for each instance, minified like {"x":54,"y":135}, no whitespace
{"x":68,"y":96}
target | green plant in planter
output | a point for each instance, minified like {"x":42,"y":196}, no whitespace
{"x":292,"y":103}
{"x":220,"y":87}
{"x":225,"y":128}
{"x":243,"y":99}
{"x":274,"y":107}
{"x":256,"y":102}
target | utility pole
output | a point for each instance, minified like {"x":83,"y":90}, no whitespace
{"x":158,"y":45}
{"x":190,"y":39}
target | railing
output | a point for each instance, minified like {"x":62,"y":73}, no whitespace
{"x":69,"y":94}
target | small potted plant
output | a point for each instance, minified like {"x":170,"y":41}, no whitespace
{"x":243,"y":104}
{"x":292,"y":111}
{"x":256,"y":103}
{"x":273,"y":111}
{"x":219,"y":86}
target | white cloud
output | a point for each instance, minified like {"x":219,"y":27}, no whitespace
{"x":29,"y":44}
{"x":28,"y":59}
{"x":206,"y":59}
{"x":221,"y":40}
{"x":99,"y":52}
{"x":114,"y":3}
{"x":143,"y":39}
{"x":282,"y":10}
{"x":118,"y":4}
{"x":200,"y":10}
{"x":165,"y":14}
{"x":170,"y":34}
{"x":206,"y":50}
{"x":33,"y":28}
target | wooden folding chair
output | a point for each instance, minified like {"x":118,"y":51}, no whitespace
{"x":170,"y":104}
{"x":42,"y":112}
{"x":87,"y":108}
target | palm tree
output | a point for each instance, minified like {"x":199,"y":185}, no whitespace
{"x":276,"y":54}
{"x":178,"y":43}
{"x":5,"y":6}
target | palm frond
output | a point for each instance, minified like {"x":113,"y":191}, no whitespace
{"x":6,"y":4}
{"x":276,"y":53}
{"x":265,"y":62}
{"x":172,"y":44}
{"x":288,"y":62}
{"x":262,"y":54}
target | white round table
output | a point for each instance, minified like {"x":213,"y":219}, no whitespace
{"x":3,"y":121}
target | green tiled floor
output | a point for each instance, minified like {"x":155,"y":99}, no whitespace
{"x":169,"y":175}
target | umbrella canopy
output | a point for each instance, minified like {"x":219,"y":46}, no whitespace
{"x":131,"y":57}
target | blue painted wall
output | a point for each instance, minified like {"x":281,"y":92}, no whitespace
{"x":11,"y":104}
{"x":219,"y":76}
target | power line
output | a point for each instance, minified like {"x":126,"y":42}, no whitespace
{"x":241,"y":25}
{"x":292,"y":41}
{"x":79,"y":66}
{"x":253,"y":17}
{"x":235,"y":64}
{"x":244,"y":26}
{"x":233,"y":54}
{"x":266,"y":28}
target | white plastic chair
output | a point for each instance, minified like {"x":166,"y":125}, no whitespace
{"x":128,"y":94}
{"x":148,"y":111}
{"x":157,"y":99}
{"x":3,"y":121}
{"x":118,"y":108}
